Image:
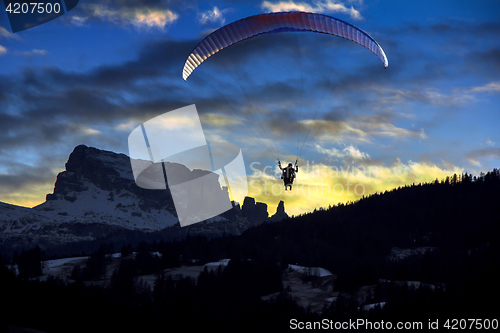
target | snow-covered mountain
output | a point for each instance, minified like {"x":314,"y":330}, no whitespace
{"x":98,"y":187}
{"x":96,"y":195}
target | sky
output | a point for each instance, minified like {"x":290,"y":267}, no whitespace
{"x":96,"y":73}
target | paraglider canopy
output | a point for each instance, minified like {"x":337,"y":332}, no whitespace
{"x":273,"y":23}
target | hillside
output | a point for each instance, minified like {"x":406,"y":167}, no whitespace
{"x":457,"y":218}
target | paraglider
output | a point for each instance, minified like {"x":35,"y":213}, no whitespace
{"x":253,"y":26}
{"x":288,"y":173}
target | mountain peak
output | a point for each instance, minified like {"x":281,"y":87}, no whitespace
{"x":100,"y":183}
{"x":96,"y":194}
{"x":280,"y":212}
{"x":93,"y":162}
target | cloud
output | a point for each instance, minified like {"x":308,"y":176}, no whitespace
{"x":85,"y":130}
{"x":39,"y":104}
{"x":348,"y":152}
{"x":486,"y":62}
{"x":151,"y":18}
{"x":450,"y":48}
{"x":336,"y":131}
{"x":219,"y":120}
{"x":476,"y":156}
{"x":448,"y":97}
{"x":355,"y":153}
{"x":145,"y":15}
{"x":331,"y":152}
{"x":50,"y":110}
{"x":127,"y":126}
{"x":78,"y":21}
{"x":3,"y":50}
{"x":489,"y":88}
{"x":318,"y":6}
{"x":35,"y":52}
{"x":320,"y":185}
{"x":26,"y":184}
{"x":426,"y":95}
{"x":4,"y":32}
{"x":458,"y":96}
{"x":214,"y":15}
{"x":361,"y":129}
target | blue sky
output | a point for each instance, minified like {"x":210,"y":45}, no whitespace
{"x":93,"y":75}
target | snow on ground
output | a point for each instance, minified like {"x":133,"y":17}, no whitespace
{"x":18,"y":219}
{"x":368,"y":307}
{"x":398,"y":254}
{"x":12,"y":212}
{"x":61,"y":268}
{"x":222,"y":262}
{"x":314,"y":294}
{"x":185,"y":271}
{"x":415,"y":284}
{"x":314,"y":271}
{"x":95,"y":205}
{"x":59,"y":262}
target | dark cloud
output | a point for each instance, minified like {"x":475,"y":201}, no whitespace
{"x":48,"y":94}
{"x":158,"y":59}
{"x":47,"y":109}
{"x":482,"y":153}
{"x":48,"y":98}
{"x":453,"y":49}
{"x":448,"y":27}
{"x":23,"y":176}
{"x":484,"y":62}
{"x":490,"y":56}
